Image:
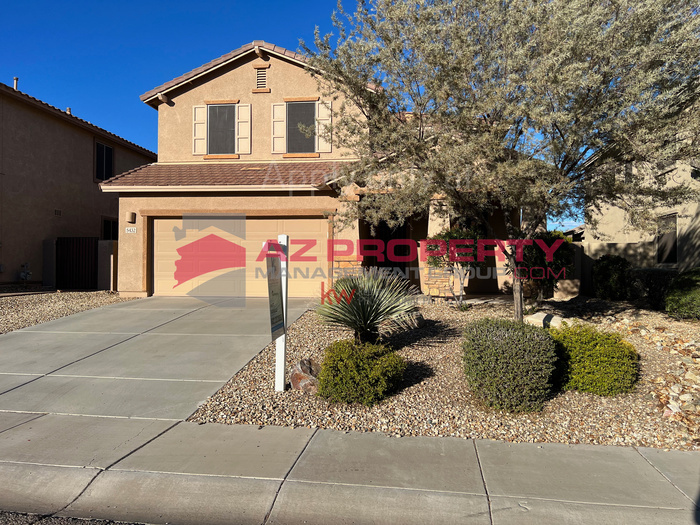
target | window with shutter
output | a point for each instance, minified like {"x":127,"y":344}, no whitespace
{"x":221,"y":129}
{"x":300,"y":117}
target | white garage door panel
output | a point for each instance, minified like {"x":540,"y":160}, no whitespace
{"x":305,"y":277}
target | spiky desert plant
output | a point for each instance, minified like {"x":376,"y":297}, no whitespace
{"x":367,"y":301}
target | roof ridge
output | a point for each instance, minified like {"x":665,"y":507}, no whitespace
{"x":65,"y":114}
{"x":219,"y":61}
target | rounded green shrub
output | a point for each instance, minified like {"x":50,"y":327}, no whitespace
{"x":359,"y":373}
{"x":683,"y":297}
{"x":596,"y":362}
{"x":611,"y":277}
{"x":509,"y":364}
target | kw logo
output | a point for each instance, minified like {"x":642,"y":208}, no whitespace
{"x":344,"y":295}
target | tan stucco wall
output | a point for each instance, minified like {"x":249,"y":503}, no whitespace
{"x":47,"y":164}
{"x":133,"y":274}
{"x":613,"y":236}
{"x":235,"y":82}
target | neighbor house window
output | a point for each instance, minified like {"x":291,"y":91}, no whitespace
{"x":110,"y":230}
{"x":667,"y":239}
{"x":104,"y":161}
{"x":299,"y":127}
{"x":220,"y":128}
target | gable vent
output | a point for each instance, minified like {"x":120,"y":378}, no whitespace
{"x":260,"y":78}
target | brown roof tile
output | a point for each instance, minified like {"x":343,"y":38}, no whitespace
{"x":218,"y":61}
{"x":315,"y":174}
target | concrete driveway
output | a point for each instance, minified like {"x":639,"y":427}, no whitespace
{"x":157,"y":358}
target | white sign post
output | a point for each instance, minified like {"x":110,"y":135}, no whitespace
{"x":277,"y":272}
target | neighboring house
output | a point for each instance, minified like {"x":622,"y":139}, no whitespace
{"x":51,"y":164}
{"x":676,"y":244}
{"x":232,"y":141}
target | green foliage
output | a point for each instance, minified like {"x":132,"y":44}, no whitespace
{"x":611,"y":277}
{"x":365,"y":302}
{"x":534,"y":256}
{"x":460,"y":269}
{"x":359,"y":373}
{"x":454,"y":234}
{"x":683,"y":299}
{"x":509,"y":364}
{"x":649,"y":286}
{"x":595,"y":362}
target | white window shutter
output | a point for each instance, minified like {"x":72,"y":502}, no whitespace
{"x":323,"y":122}
{"x":279,"y":128}
{"x":199,"y":130}
{"x":243,"y":129}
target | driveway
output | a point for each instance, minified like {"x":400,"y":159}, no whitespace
{"x":157,"y":358}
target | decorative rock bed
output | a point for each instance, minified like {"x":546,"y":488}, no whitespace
{"x":434,"y":399}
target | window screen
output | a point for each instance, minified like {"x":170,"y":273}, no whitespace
{"x":304,"y":114}
{"x":222,"y":129}
{"x":667,"y":240}
{"x":104,"y":163}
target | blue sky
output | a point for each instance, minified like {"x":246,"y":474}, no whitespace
{"x":98,"y":57}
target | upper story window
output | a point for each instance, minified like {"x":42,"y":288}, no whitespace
{"x":104,"y":161}
{"x":667,"y":239}
{"x":221,"y":128}
{"x":291,"y":123}
{"x":301,"y":117}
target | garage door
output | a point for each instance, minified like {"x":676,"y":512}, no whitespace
{"x":215,"y":258}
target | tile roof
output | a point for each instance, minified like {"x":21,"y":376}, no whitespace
{"x":282,"y":173}
{"x":221,"y":60}
{"x":19,"y":95}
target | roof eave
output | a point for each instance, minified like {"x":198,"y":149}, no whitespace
{"x":151,"y":97}
{"x":210,"y":188}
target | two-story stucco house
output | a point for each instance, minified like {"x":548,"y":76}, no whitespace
{"x":234,"y":139}
{"x":51,"y":165}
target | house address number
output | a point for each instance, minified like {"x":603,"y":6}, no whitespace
{"x":131,"y":229}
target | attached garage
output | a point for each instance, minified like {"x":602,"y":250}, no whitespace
{"x":215,"y":266}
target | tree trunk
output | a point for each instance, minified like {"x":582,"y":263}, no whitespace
{"x":518,"y":298}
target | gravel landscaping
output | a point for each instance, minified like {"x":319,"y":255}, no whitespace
{"x":21,"y":311}
{"x":435,"y":400}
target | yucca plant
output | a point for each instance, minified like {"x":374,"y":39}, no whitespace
{"x":367,"y":301}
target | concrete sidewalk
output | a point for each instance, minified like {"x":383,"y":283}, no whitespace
{"x":157,"y":472}
{"x":91,"y":425}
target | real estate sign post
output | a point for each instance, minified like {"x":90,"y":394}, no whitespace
{"x":277,"y":293}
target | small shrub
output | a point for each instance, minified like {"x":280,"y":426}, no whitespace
{"x":683,"y":298}
{"x":509,"y":364}
{"x":611,"y":277}
{"x":650,"y":286}
{"x":359,"y":373}
{"x":595,"y":362}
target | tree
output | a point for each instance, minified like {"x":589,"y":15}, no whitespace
{"x":457,"y":264}
{"x":513,"y":106}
